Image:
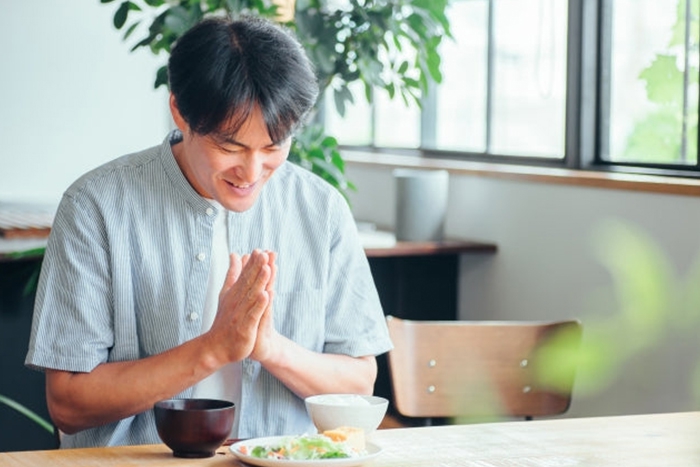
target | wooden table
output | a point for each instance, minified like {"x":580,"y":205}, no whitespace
{"x":663,"y":440}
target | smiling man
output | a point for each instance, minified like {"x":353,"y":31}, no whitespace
{"x":208,"y":266}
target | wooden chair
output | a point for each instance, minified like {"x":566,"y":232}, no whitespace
{"x":479,"y":370}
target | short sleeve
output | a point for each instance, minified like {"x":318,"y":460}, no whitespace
{"x":355,"y":322}
{"x":71,"y":327}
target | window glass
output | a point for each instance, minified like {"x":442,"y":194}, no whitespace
{"x":529,"y":78}
{"x":397,"y":121}
{"x":504,"y":88}
{"x":355,"y":127}
{"x":396,"y":124}
{"x":460,"y":116}
{"x":653,"y":82}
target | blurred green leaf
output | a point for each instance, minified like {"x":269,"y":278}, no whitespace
{"x":642,"y":276}
{"x":130,"y":30}
{"x":558,"y":360}
{"x":33,"y":416}
{"x":647,"y":290}
{"x":179,"y":19}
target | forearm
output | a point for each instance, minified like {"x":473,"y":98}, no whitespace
{"x":113,"y":391}
{"x":307,"y":373}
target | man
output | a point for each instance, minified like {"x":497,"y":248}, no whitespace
{"x":207,"y":266}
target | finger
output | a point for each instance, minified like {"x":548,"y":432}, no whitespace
{"x":266,"y":318}
{"x":273,"y":268}
{"x":254,"y":277}
{"x":251,"y":264}
{"x":234,"y":271}
{"x":258,"y":290}
{"x":258,"y":307}
{"x":270,"y":300}
{"x":235,"y":266}
{"x":265,"y":331}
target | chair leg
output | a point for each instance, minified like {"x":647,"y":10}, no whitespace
{"x":57,"y":437}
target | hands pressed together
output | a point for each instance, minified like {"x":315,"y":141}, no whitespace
{"x":243,"y":327}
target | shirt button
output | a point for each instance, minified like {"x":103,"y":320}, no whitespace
{"x":209,"y":211}
{"x":193,"y":316}
{"x":201,"y":256}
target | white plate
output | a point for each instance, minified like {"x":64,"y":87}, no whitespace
{"x":372,"y":451}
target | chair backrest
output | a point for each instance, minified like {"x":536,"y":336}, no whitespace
{"x":477,"y":369}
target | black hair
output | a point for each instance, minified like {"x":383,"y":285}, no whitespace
{"x":221,"y":68}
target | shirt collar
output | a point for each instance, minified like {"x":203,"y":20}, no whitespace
{"x":178,"y":179}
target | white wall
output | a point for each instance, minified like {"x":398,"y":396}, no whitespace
{"x":72,"y":96}
{"x":547,"y":267}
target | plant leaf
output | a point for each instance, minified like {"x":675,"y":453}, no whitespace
{"x":130,"y":30}
{"x":121,"y":15}
{"x":161,"y":77}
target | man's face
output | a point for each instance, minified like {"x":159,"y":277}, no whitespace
{"x":230,"y":170}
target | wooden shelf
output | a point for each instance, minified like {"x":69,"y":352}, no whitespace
{"x":25,"y":221}
{"x":24,"y":227}
{"x":445,"y":247}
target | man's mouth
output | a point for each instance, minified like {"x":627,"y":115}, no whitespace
{"x":241,"y":188}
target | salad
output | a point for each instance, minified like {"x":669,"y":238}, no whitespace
{"x":307,"y":447}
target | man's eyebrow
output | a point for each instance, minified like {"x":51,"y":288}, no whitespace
{"x":226,"y":139}
{"x":223,"y":139}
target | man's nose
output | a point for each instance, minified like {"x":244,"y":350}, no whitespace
{"x":252,"y":167}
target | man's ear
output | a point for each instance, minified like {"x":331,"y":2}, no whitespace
{"x":177,"y":116}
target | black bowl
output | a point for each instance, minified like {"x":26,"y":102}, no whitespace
{"x":194,"y":428}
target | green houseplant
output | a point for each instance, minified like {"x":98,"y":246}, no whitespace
{"x":387,"y":45}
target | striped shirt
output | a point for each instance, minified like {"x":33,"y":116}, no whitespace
{"x":125,"y":277}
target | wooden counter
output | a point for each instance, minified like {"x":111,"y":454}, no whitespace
{"x":658,"y":440}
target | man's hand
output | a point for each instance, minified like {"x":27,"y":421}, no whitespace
{"x":265,"y":342}
{"x":243,"y":301}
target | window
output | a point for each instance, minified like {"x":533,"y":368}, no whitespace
{"x":652,"y":62}
{"x":600,"y":84}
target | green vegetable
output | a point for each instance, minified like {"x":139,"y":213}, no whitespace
{"x":304,"y":448}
